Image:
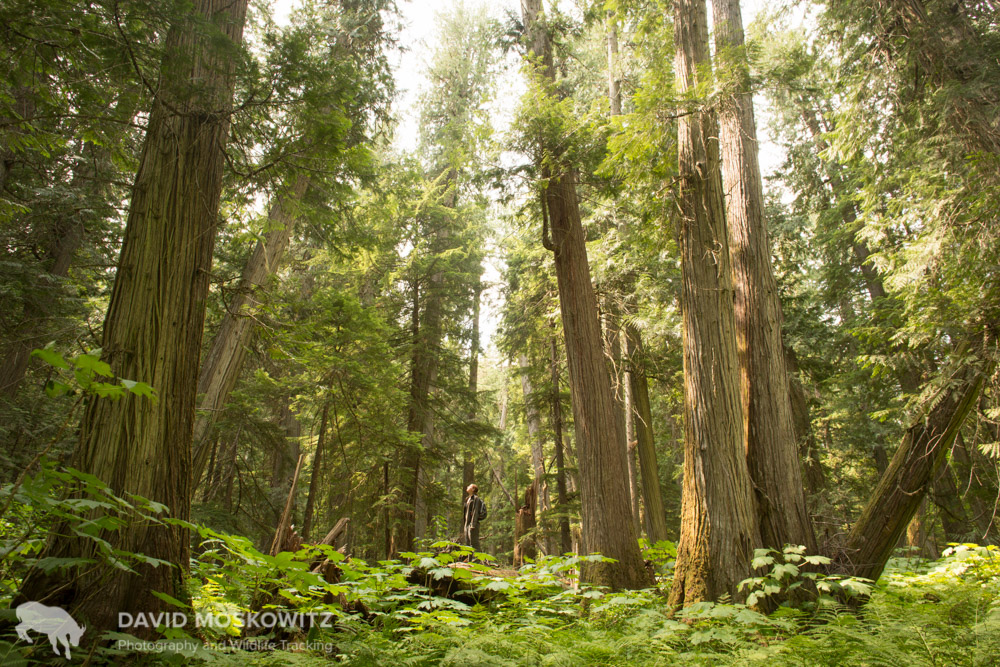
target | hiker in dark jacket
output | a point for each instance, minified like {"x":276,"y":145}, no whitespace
{"x":475,"y":511}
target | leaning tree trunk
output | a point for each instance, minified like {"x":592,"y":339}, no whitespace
{"x":772,"y":456}
{"x":649,"y":469}
{"x":224,"y":360}
{"x":905,"y":483}
{"x":152,"y":331}
{"x":718,"y":523}
{"x":604,"y":501}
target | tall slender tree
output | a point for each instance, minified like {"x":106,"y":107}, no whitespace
{"x":642,"y":416}
{"x":227,"y":351}
{"x":565,"y":538}
{"x":638,"y":415}
{"x":605,"y":506}
{"x":452,"y":126}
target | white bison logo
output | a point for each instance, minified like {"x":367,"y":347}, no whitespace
{"x":51,"y":621}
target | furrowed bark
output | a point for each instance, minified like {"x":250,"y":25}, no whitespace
{"x":152,"y":331}
{"x":772,"y":456}
{"x":604,"y":500}
{"x":905,"y":483}
{"x":223,"y":362}
{"x":718,"y":521}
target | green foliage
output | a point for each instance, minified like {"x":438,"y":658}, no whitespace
{"x":661,"y":554}
{"x":86,"y":370}
{"x":57,"y":502}
{"x":946,"y":611}
{"x":796,"y":580}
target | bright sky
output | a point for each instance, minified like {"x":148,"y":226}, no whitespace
{"x":418,"y":18}
{"x":416,"y":38}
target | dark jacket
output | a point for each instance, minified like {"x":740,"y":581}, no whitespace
{"x":470,"y":517}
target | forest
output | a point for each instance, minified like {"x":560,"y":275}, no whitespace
{"x":525,"y":332}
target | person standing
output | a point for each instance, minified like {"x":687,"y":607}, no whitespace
{"x":475,"y":511}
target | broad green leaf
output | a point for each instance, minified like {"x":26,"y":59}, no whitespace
{"x":50,"y":356}
{"x":171,"y":600}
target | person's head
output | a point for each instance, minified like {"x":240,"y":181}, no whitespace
{"x":472,"y":489}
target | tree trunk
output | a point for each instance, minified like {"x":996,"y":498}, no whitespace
{"x":613,"y":351}
{"x":469,"y":456}
{"x":225,"y":469}
{"x":633,"y":465}
{"x":285,"y":455}
{"x":565,"y":539}
{"x":224,"y":359}
{"x":426,"y":331}
{"x":918,"y":534}
{"x":984,"y":515}
{"x":904,"y":484}
{"x":718,"y":523}
{"x":152,"y":331}
{"x":604,"y":501}
{"x":815,"y":478}
{"x":525,"y":545}
{"x":18,"y":124}
{"x":317,"y":471}
{"x":534,"y":425}
{"x":772,"y":457}
{"x":285,"y":538}
{"x":622,"y":387}
{"x":652,"y":496}
{"x":955,"y":520}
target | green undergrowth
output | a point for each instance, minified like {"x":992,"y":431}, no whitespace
{"x":447,"y":605}
{"x":944,"y":612}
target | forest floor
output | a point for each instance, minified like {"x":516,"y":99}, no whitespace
{"x":445,"y":605}
{"x":943,"y":612}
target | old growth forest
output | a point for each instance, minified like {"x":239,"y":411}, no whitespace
{"x":703,"y":297}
